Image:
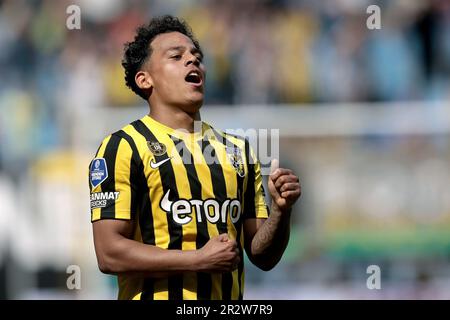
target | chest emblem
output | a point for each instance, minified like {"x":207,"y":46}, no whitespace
{"x":234,"y":155}
{"x":156,"y":148}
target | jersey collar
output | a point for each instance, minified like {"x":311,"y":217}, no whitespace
{"x":206,"y":131}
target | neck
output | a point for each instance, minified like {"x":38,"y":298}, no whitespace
{"x":174,"y":117}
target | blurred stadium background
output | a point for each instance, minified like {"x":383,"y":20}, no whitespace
{"x":364,"y":119}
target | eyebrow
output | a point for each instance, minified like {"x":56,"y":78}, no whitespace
{"x":182,"y":48}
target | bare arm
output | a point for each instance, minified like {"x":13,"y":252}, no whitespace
{"x":118,"y":254}
{"x":267,"y":239}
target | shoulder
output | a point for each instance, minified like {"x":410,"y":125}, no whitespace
{"x":124,"y":140}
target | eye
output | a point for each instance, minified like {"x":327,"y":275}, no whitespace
{"x":176,"y":57}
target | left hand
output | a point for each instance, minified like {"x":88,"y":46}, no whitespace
{"x":284,"y":186}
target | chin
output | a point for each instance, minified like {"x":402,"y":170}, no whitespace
{"x":193,"y":105}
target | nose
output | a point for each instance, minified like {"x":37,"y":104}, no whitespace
{"x":192,"y":60}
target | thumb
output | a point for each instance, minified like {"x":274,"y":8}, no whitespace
{"x":274,"y":165}
{"x":223,"y":237}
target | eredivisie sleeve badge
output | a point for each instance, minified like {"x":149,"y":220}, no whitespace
{"x":98,"y":172}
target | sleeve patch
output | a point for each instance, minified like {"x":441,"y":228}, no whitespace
{"x":98,"y":171}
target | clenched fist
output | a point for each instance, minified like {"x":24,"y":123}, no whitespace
{"x":284,"y":186}
{"x":219,"y":254}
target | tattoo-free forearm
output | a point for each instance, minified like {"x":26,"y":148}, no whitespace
{"x":271,"y":239}
{"x":133,"y":258}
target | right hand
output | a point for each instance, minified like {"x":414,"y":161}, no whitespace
{"x":219,"y":254}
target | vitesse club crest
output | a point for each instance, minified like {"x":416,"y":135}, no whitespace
{"x":235,"y":156}
{"x":157,"y":148}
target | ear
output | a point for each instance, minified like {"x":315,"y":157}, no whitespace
{"x":143,"y":80}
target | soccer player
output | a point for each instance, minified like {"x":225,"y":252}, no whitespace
{"x":173,"y":210}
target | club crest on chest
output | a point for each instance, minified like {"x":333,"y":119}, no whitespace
{"x":156,"y":148}
{"x":234,"y":155}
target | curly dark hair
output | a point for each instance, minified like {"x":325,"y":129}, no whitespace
{"x":138,"y":51}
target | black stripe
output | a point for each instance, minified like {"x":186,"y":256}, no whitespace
{"x":249,"y":198}
{"x":240,"y":195}
{"x":141,"y":205}
{"x":204,"y":281}
{"x":239,"y":226}
{"x":90,"y":166}
{"x":138,"y":184}
{"x":227,"y":142}
{"x":249,"y":206}
{"x":175,"y":283}
{"x":220,"y":194}
{"x":109,"y":184}
{"x":89,"y":175}
{"x":140,"y":198}
{"x":217,"y":177}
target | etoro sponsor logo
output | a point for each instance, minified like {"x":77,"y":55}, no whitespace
{"x":102,"y":199}
{"x":211,"y":209}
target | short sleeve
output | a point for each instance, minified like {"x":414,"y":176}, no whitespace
{"x":111,"y":180}
{"x":255,"y":205}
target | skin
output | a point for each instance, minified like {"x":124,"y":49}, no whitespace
{"x":176,"y":103}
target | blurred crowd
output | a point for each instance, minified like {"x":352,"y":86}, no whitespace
{"x":256,"y":52}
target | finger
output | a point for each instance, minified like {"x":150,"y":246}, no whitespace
{"x":291,"y":194}
{"x":223,"y":237}
{"x":233,"y":244}
{"x":274,"y":165}
{"x":285,"y":179}
{"x":279,"y":172}
{"x":289,"y":186}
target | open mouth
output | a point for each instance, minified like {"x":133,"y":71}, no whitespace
{"x":194,"y":78}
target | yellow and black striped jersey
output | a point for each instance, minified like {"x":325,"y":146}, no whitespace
{"x":180,"y":189}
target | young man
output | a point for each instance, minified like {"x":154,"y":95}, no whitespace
{"x":172,"y":210}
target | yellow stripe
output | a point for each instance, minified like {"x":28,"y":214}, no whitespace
{"x":161,"y":289}
{"x":162,"y":235}
{"x":155,"y":189}
{"x":138,"y":296}
{"x":160,"y":224}
{"x":231,"y":185}
{"x":230,"y":181}
{"x":122,"y":179}
{"x":260,"y":203}
{"x":204,"y":176}
{"x":190,"y":229}
{"x":243,"y":271}
{"x":241,"y":144}
{"x":96,"y":213}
